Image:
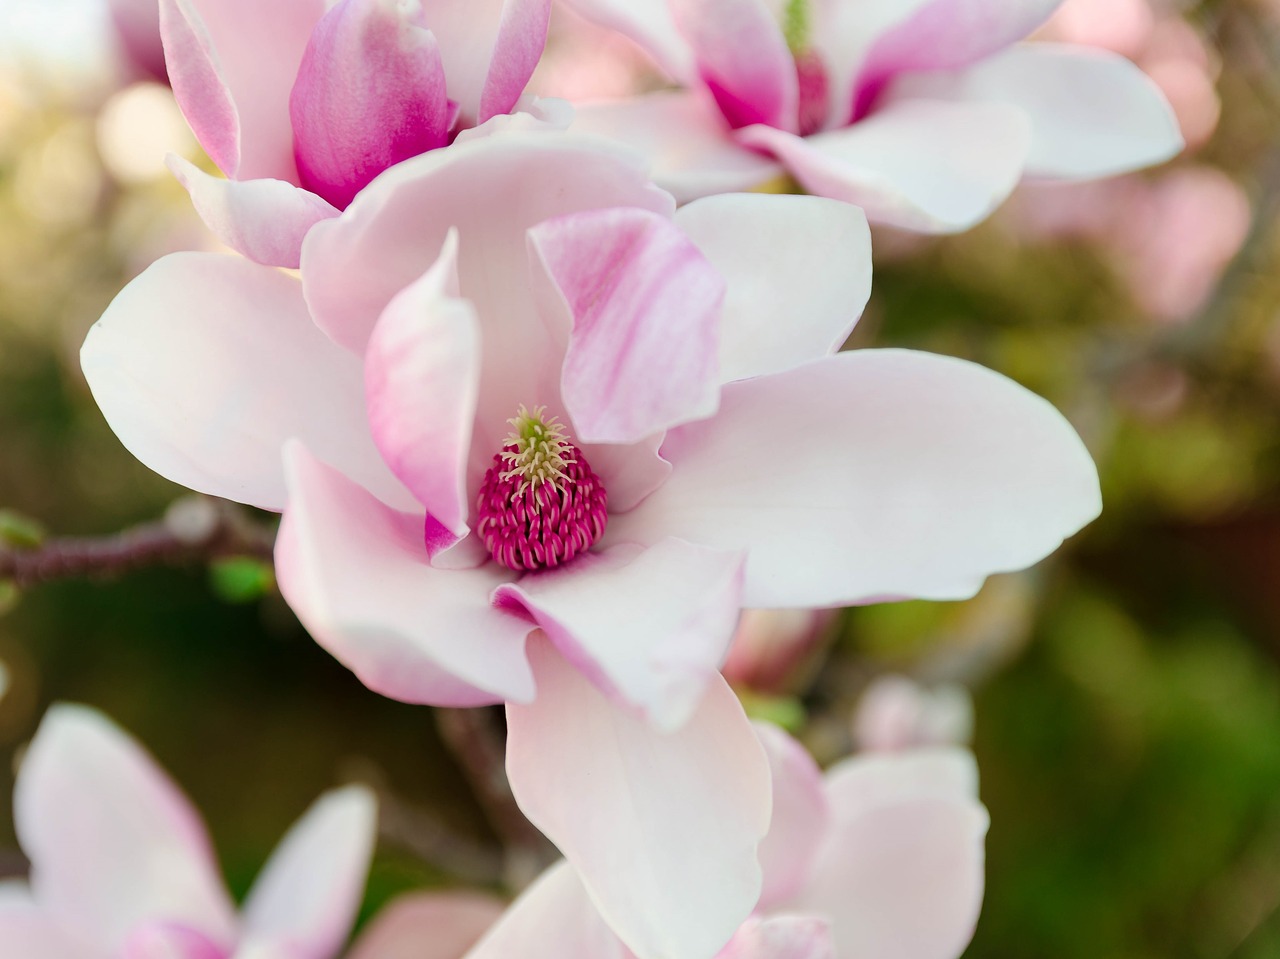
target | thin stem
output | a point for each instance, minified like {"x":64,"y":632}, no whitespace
{"x":194,"y":529}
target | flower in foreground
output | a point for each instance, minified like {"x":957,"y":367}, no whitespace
{"x":544,"y":438}
{"x":882,"y":857}
{"x":924,"y":112}
{"x":301,"y":106}
{"x":121,"y":866}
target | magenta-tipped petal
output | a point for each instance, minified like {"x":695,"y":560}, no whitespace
{"x":370,"y":93}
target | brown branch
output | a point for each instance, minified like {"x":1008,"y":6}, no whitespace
{"x":475,"y":744}
{"x":194,"y":529}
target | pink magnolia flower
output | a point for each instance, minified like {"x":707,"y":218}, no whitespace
{"x":925,"y":112}
{"x":302,"y":106}
{"x":896,"y":713}
{"x":882,"y":857}
{"x":544,"y":437}
{"x":121,"y":866}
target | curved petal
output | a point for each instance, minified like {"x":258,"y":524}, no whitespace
{"x":356,"y":573}
{"x":743,"y":59}
{"x":1092,"y":112}
{"x":305,"y":899}
{"x":685,"y":139}
{"x":428,"y":925}
{"x":205,"y":365}
{"x":200,"y":83}
{"x":649,"y":627}
{"x":926,"y":165}
{"x":868,"y":781}
{"x":553,"y":917}
{"x":889,"y":473}
{"x":422,"y":374}
{"x":647,"y":22}
{"x":264,"y":220}
{"x":370,"y":92}
{"x":237,"y":59}
{"x":941,"y":35}
{"x":491,"y":190}
{"x":28,"y":931}
{"x":782,"y":937}
{"x":490,"y":48}
{"x":801,"y":816}
{"x":644,"y":306}
{"x":798,"y":271}
{"x":901,"y":881}
{"x":626,"y":804}
{"x":112,"y":841}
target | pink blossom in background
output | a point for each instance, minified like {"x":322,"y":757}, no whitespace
{"x":121,"y":866}
{"x":583,"y":61}
{"x":771,"y":646}
{"x":427,"y":925}
{"x":925,"y":113}
{"x":301,"y":106}
{"x":896,"y":714}
{"x":881,"y":857}
{"x":679,"y":368}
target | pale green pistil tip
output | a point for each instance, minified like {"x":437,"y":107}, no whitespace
{"x":540,"y":443}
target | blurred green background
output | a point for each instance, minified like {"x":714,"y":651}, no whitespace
{"x":1127,"y":691}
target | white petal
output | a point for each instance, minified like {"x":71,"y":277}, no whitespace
{"x":872,"y":474}
{"x":662,"y":827}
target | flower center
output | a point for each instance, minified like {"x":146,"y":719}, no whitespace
{"x":811,"y":72}
{"x":540,"y":503}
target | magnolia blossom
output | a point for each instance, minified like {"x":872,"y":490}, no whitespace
{"x":121,"y":866}
{"x":923,"y":112}
{"x":880,"y":859}
{"x":896,"y":713}
{"x":302,"y":106}
{"x":543,"y":437}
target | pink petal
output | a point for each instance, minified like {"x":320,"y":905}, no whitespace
{"x":684,"y":137}
{"x":743,"y":59}
{"x":650,"y":24}
{"x":232,"y":64}
{"x":491,"y":190}
{"x":798,"y":271}
{"x":645,"y":311}
{"x":356,"y":573}
{"x":901,"y":872}
{"x":112,"y":841}
{"x":870,"y":474}
{"x":427,"y":925}
{"x":137,"y":27}
{"x":553,"y":917}
{"x":29,"y":932}
{"x":801,"y":816}
{"x":422,"y":372}
{"x":626,"y":804}
{"x":944,"y":35}
{"x":868,"y":781}
{"x":167,"y":940}
{"x":782,"y":937}
{"x":304,"y":901}
{"x":200,"y":83}
{"x":649,"y":627}
{"x":205,"y":365}
{"x":263,"y":219}
{"x":1093,"y":113}
{"x":925,"y":165}
{"x":489,"y":48}
{"x":370,"y":92}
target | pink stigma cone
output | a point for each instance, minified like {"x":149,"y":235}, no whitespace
{"x":540,"y":503}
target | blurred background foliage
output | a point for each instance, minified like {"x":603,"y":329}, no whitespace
{"x":1127,"y":691}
